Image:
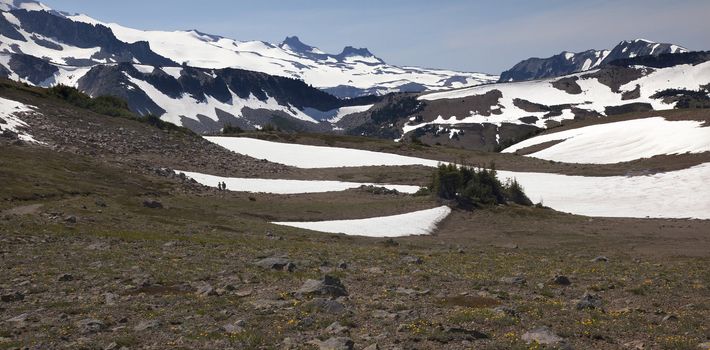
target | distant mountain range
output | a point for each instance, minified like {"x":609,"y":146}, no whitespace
{"x":204,"y":81}
{"x":570,"y":62}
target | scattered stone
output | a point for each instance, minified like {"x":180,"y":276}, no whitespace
{"x":339,"y":343}
{"x":670,"y":317}
{"x":600,"y":258}
{"x":704,"y":346}
{"x":206,"y":290}
{"x":234,"y":328}
{"x":152,"y":204}
{"x":325,"y":306}
{"x":145,"y":325}
{"x":589,"y":301}
{"x":337,"y":329}
{"x":19,"y":318}
{"x":635,"y":345}
{"x":542,"y":335}
{"x":65,"y":277}
{"x":265,"y":304}
{"x":110,"y":298}
{"x":282,"y":264}
{"x":71,"y":219}
{"x":112,"y":346}
{"x":561,"y":280}
{"x":328,"y":286}
{"x":90,"y":325}
{"x":373,"y":347}
{"x":383,"y":314}
{"x":409,"y":259}
{"x":11,"y":297}
{"x":243,"y":293}
{"x":516,"y":280}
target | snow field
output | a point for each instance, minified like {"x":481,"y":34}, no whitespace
{"x":621,"y":141}
{"x":279,"y":186}
{"x":416,"y":223}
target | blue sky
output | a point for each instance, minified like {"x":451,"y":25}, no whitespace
{"x":486,"y":36}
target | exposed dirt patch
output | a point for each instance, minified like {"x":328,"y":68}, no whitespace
{"x":568,"y":85}
{"x":614,"y":77}
{"x":537,"y":148}
{"x":633,"y":94}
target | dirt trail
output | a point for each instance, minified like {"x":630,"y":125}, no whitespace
{"x":23,"y":210}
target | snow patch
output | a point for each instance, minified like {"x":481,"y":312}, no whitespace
{"x":421,"y":222}
{"x":9,"y":119}
{"x":280,"y":186}
{"x":622,"y":141}
{"x":309,"y":157}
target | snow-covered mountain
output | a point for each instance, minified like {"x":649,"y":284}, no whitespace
{"x":570,"y":62}
{"x":33,"y":28}
{"x":350,"y":73}
{"x":492,"y":116}
{"x":199,"y":80}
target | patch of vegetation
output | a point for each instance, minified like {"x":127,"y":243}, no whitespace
{"x":107,"y":105}
{"x":686,"y":98}
{"x":476,"y":187}
{"x":396,"y":110}
{"x":503,"y":144}
{"x":228,"y":129}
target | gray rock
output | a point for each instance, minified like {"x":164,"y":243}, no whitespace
{"x":328,"y":286}
{"x":337,"y":329}
{"x":152,"y":204}
{"x":65,"y":277}
{"x":112,"y":346}
{"x":110,"y":298}
{"x":516,"y":280}
{"x":561,"y":280}
{"x":409,"y":259}
{"x":325,"y":306}
{"x":600,"y":258}
{"x":90,"y":325}
{"x":145,"y":325}
{"x":704,"y":346}
{"x":71,"y":219}
{"x":542,"y":335}
{"x":276,"y":264}
{"x":339,"y":343}
{"x":206,"y":290}
{"x":589,"y":301}
{"x":19,"y":318}
{"x":234,"y":328}
{"x":670,"y":317}
{"x":373,"y":347}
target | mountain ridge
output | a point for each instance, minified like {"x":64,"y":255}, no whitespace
{"x":572,"y":62}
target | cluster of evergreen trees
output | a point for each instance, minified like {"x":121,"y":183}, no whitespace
{"x":476,"y":187}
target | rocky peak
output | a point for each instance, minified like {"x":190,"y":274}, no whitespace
{"x":295,"y":44}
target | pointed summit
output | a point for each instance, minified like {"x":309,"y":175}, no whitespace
{"x":349,"y":51}
{"x":295,"y":44}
